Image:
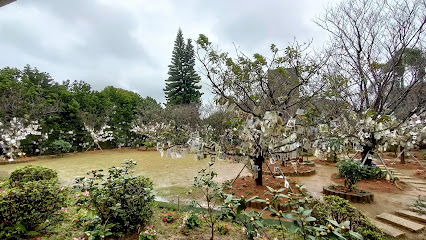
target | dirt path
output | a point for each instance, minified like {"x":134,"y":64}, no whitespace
{"x":383,"y":202}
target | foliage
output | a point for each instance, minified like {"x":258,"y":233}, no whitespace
{"x":351,"y":171}
{"x":420,"y":205}
{"x":339,"y":210}
{"x":31,"y":206}
{"x":92,"y":227}
{"x":60,"y":147}
{"x":192,"y":220}
{"x":212,"y":191}
{"x":119,"y":198}
{"x":372,"y":172}
{"x":148,"y":234}
{"x":169,"y":218}
{"x":181,"y":86}
{"x":31,"y":173}
{"x":223,"y":228}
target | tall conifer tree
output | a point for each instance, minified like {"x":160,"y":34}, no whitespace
{"x":182,"y":85}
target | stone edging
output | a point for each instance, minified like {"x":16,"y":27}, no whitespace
{"x":358,"y":198}
{"x":292,"y":174}
{"x":17,"y":161}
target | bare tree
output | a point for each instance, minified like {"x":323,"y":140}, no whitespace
{"x":377,"y":50}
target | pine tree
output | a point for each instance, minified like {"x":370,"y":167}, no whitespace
{"x":181,"y":86}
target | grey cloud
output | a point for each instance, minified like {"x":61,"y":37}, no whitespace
{"x":111,"y":45}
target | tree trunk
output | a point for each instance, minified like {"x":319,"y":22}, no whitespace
{"x":402,"y":157}
{"x":259,"y":162}
{"x":366,"y":150}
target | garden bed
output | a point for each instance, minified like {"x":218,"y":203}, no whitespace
{"x":302,"y":170}
{"x":356,"y":195}
{"x":246,"y":186}
{"x":374,"y":185}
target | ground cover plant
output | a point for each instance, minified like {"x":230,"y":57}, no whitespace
{"x":117,"y":202}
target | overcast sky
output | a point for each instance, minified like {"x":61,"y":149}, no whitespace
{"x":128,"y":43}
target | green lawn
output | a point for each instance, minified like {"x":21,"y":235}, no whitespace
{"x":170,"y":176}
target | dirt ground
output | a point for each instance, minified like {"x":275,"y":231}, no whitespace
{"x":384,"y":201}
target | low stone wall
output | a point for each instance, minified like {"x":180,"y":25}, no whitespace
{"x":367,"y":197}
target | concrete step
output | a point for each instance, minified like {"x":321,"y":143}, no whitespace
{"x":400,"y":222}
{"x":415,"y":181}
{"x":388,"y":229}
{"x":411,"y":215}
{"x":404,"y":177}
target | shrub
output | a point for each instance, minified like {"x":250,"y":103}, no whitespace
{"x":192,"y":220}
{"x":339,"y":209}
{"x":351,"y":171}
{"x":29,"y":207}
{"x":124,"y":200}
{"x":369,"y":172}
{"x":31,"y":173}
{"x":59,"y":147}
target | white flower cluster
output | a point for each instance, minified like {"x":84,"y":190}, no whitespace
{"x":13,"y":133}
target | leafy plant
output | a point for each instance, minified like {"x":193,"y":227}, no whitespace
{"x":149,"y":144}
{"x":169,"y":218}
{"x":213,"y":193}
{"x":339,"y":210}
{"x":223,"y":228}
{"x":120,"y":198}
{"x":59,"y":147}
{"x":420,"y":205}
{"x":351,"y":171}
{"x":148,"y":234}
{"x":192,"y":220}
{"x":31,"y":173}
{"x":372,"y":172}
{"x":28,"y":206}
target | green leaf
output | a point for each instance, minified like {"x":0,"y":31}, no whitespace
{"x":310,"y":219}
{"x":252,"y":198}
{"x":307,"y":212}
{"x":270,"y":189}
{"x":356,"y":235}
{"x":333,"y":222}
{"x":293,"y":229}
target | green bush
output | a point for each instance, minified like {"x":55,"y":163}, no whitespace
{"x":124,"y":200}
{"x":60,"y":147}
{"x":351,"y":171}
{"x":340,"y":210}
{"x":31,"y":173}
{"x":369,"y":172}
{"x":30,"y":207}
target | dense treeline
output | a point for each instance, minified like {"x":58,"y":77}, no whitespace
{"x":69,"y":111}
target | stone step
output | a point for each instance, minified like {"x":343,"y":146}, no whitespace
{"x":404,"y":177}
{"x":418,"y":186}
{"x":388,"y":229}
{"x":400,"y":222}
{"x":397,"y":173}
{"x":415,"y":181}
{"x":411,"y":215}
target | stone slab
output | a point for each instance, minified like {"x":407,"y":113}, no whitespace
{"x":388,"y":229}
{"x":411,"y":215}
{"x":404,"y":177}
{"x":401,"y":222}
{"x":415,"y":181}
